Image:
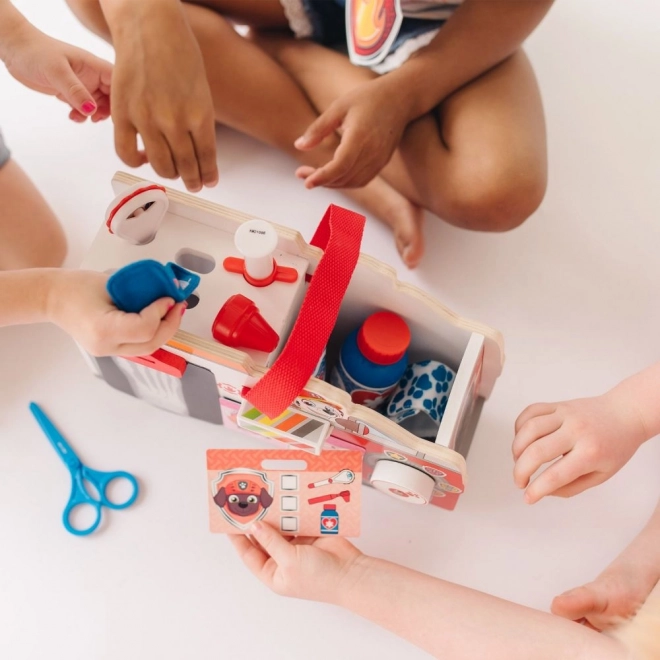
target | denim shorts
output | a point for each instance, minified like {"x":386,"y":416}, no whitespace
{"x":323,"y":21}
{"x":4,"y":152}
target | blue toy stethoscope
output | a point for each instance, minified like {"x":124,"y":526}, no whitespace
{"x":80,"y":474}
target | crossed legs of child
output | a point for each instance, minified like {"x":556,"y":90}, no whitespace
{"x":479,"y":163}
{"x":30,"y":235}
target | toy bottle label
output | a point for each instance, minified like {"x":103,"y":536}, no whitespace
{"x":329,"y":522}
{"x":371,"y":397}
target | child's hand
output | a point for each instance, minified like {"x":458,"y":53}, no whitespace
{"x":71,"y":74}
{"x":371,"y":122}
{"x":161,"y":92}
{"x":79,"y":303}
{"x":593,"y":438}
{"x":309,"y":568}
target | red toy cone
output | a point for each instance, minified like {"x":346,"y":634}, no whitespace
{"x":240,"y":325}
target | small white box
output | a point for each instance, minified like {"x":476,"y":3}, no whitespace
{"x":289,"y":524}
{"x":289,"y":482}
{"x":289,"y":503}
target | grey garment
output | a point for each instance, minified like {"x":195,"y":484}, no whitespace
{"x":4,"y":152}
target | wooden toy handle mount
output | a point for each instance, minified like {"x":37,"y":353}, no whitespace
{"x":339,"y":234}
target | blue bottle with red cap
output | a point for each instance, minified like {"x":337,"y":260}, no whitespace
{"x":373,"y":358}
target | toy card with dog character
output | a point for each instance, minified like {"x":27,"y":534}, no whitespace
{"x":294,"y":491}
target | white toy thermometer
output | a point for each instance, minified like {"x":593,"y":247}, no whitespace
{"x":343,"y":477}
{"x":137,"y":213}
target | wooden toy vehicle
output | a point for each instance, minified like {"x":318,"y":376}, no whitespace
{"x":196,"y":375}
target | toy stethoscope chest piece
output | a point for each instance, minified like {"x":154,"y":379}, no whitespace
{"x":402,"y":482}
{"x":137,"y":213}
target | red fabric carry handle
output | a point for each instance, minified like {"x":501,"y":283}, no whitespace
{"x":339,"y":234}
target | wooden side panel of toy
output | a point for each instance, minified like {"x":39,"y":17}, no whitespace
{"x":464,"y":394}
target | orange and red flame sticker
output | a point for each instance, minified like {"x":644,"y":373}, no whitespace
{"x":371,"y":28}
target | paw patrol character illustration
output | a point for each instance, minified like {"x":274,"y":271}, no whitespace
{"x":318,"y":408}
{"x":243,"y":496}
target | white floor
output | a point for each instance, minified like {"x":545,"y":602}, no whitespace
{"x":574,"y":291}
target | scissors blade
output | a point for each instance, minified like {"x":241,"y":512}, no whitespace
{"x":56,"y":439}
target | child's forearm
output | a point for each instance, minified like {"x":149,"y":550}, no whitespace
{"x":480,"y":35}
{"x":13,"y":28}
{"x":448,"y":620}
{"x":641,"y":393}
{"x":26,"y":295}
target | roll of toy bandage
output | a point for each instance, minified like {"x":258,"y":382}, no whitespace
{"x":402,"y":482}
{"x":137,"y":213}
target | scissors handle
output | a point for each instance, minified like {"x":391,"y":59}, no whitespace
{"x":101,"y":481}
{"x":80,"y":497}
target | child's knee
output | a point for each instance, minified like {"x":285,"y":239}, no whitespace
{"x":497,"y":199}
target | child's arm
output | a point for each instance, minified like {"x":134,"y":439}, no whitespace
{"x":594,"y":438}
{"x":447,"y":620}
{"x":372,"y":117}
{"x":479,"y":35}
{"x":160,"y":91}
{"x":78,"y":303}
{"x":53,"y":67}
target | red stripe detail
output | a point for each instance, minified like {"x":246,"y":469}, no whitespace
{"x":113,"y":213}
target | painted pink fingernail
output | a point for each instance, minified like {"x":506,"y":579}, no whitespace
{"x":88,"y":107}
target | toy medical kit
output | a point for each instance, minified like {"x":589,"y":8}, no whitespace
{"x":419,"y":400}
{"x":212,"y":369}
{"x":139,"y":284}
{"x":372,"y":359}
{"x":82,"y":475}
{"x":246,"y":485}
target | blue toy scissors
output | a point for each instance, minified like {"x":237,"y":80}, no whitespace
{"x":81,"y":473}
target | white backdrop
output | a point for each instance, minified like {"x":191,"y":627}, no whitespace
{"x":574,"y":291}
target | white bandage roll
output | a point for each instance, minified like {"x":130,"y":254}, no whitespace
{"x":137,"y":213}
{"x":256,"y":240}
{"x":403,"y":482}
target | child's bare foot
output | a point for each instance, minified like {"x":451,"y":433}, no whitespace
{"x":392,"y":208}
{"x":405,"y":219}
{"x":613,"y":597}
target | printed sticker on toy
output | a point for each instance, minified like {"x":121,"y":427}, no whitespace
{"x":247,"y":485}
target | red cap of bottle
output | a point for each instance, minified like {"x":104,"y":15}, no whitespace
{"x":240,"y":325}
{"x":384,"y":338}
{"x":329,"y":507}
